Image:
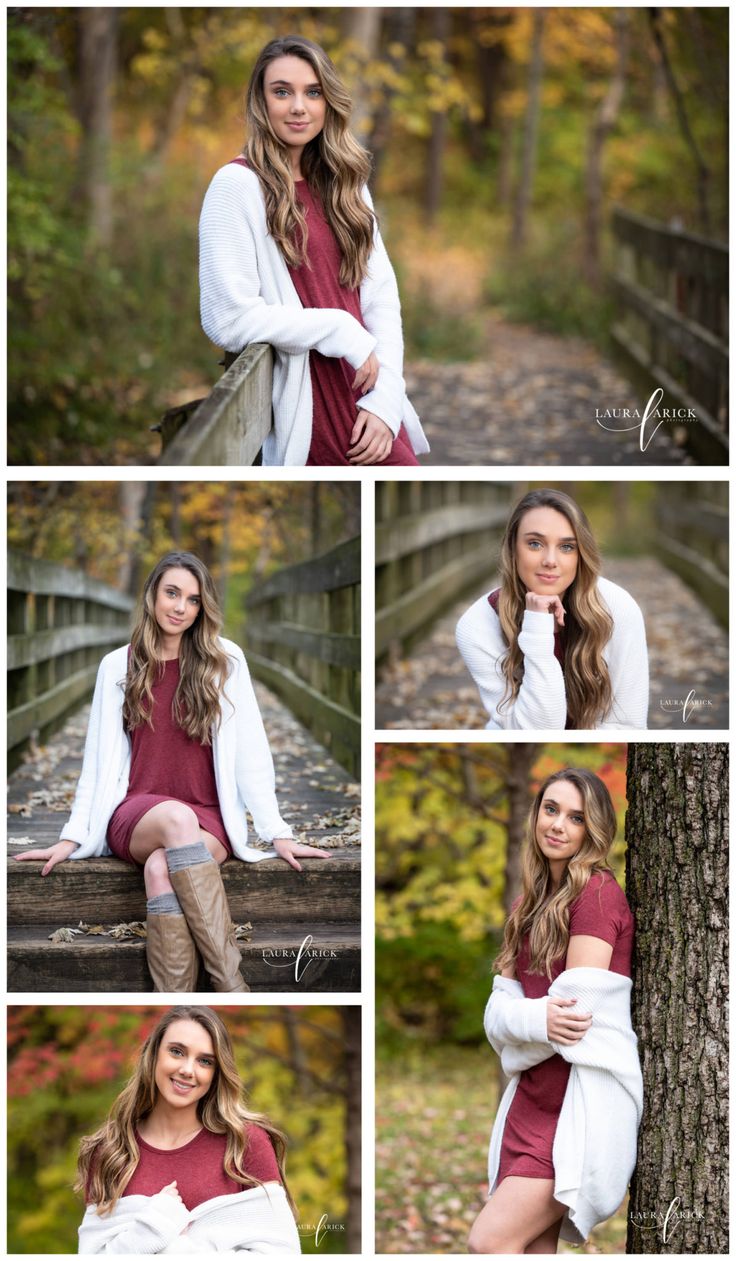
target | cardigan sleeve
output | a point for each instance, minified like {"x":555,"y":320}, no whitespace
{"x":134,"y":1227}
{"x":77,"y":827}
{"x":233,"y":312}
{"x":628,"y":661}
{"x":381,"y":310}
{"x":541,"y":703}
{"x":253,"y":762}
{"x":259,"y":1222}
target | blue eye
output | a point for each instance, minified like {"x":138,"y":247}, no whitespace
{"x":568,"y":547}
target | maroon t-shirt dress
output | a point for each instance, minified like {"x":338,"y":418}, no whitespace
{"x":166,"y":765}
{"x":199,"y":1167}
{"x":559,"y":648}
{"x":529,"y":1134}
{"x":317,"y":282}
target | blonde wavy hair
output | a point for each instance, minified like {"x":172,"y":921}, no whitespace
{"x":203,"y":666}
{"x":335,"y":166}
{"x":541,"y":912}
{"x":109,"y":1157}
{"x":588,"y":624}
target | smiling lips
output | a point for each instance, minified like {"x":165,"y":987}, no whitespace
{"x":555,"y":840}
{"x":549,"y":577}
{"x":182,"y":1085}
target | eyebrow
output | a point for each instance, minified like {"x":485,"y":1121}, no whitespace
{"x":185,"y":1047}
{"x":537,"y":534}
{"x":550,"y":801}
{"x":171,"y":586}
{"x":286,"y":83}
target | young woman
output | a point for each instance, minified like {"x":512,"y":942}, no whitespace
{"x":290,"y":254}
{"x":556,"y":645}
{"x":564,"y":1142}
{"x":175,"y":752}
{"x":181,"y":1164}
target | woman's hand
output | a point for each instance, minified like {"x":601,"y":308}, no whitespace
{"x":546,"y":604}
{"x":54,"y":854}
{"x":172,"y":1190}
{"x":371,"y":440}
{"x":291,"y":850}
{"x":367,"y":374}
{"x":565,"y":1026}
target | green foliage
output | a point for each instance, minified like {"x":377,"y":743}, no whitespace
{"x":67,"y":1064}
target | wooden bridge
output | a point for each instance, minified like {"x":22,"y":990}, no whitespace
{"x":300,"y":931}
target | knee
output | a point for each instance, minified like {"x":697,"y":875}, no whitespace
{"x":178,"y":823}
{"x":487,"y":1241}
{"x":156,"y":874}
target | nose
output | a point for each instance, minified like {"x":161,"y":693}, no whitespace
{"x":297,"y":104}
{"x":549,"y":560}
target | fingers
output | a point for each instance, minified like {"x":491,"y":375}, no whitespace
{"x":36,"y":854}
{"x":358,"y":427}
{"x":291,"y":860}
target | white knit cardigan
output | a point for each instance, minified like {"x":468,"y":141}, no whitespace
{"x":258,"y":1220}
{"x":247,"y":295}
{"x":594,"y":1151}
{"x":242,"y":759}
{"x":541,"y":703}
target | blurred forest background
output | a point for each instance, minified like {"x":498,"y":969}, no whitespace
{"x":66,"y":1065}
{"x":449,"y":825}
{"x":116,"y":531}
{"x":501,"y":138}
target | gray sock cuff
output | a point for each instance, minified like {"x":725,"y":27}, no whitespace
{"x":180,"y":856}
{"x":164,"y":904}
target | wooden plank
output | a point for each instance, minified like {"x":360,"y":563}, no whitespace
{"x":338,"y":650}
{"x":695,"y":343}
{"x":105,"y":890}
{"x":698,"y":572}
{"x":339,"y":567}
{"x":687,"y":252}
{"x":25,"y":650}
{"x":50,"y":705}
{"x":421,"y":605}
{"x":330,"y":962}
{"x":41,"y":577}
{"x":322,"y":716}
{"x":231,"y":425}
{"x":404,"y":535}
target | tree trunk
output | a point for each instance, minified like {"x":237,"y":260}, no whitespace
{"x":97,"y":66}
{"x":441,"y":25}
{"x":131,"y":503}
{"x":677,"y":886}
{"x":602,"y":126}
{"x":521,"y":759}
{"x":360,"y":30}
{"x":353,"y":1135}
{"x":400,"y":39}
{"x":531,"y":128}
{"x":702,"y":171}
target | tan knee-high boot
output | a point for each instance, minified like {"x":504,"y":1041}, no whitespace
{"x":171,"y":954}
{"x":203,"y":900}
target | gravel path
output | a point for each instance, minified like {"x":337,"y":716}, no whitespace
{"x":532,"y":401}
{"x":688,"y":653}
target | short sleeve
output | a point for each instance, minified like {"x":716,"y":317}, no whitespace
{"x":260,"y":1158}
{"x":600,"y":911}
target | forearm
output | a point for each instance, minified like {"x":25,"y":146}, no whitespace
{"x":541,"y":702}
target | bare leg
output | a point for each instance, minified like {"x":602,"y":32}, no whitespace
{"x":164,"y":826}
{"x":517,"y":1214}
{"x":546,"y":1243}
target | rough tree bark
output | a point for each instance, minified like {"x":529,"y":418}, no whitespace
{"x":97,"y":68}
{"x":524,"y":187}
{"x":677,"y":886}
{"x":601,"y":127}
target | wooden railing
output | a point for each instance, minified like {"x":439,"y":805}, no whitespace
{"x":229,"y":427}
{"x":692,"y":538}
{"x":434,"y":541}
{"x":60,"y":624}
{"x":672,"y":290}
{"x":303,"y":640}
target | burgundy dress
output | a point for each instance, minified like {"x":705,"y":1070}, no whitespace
{"x":166,"y":765}
{"x":198,"y":1167}
{"x":559,"y":643}
{"x":529,"y":1134}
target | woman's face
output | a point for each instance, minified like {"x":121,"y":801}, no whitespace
{"x":546,"y":551}
{"x":294,"y":100}
{"x":185,"y":1064}
{"x":178,"y":601}
{"x":560,"y":829}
